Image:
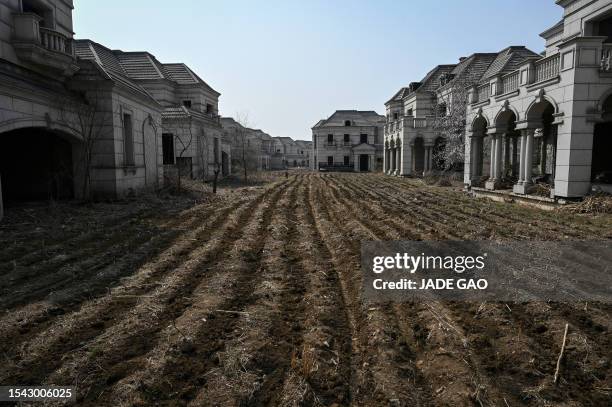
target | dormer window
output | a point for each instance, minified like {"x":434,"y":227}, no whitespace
{"x":187,"y":104}
{"x":347,"y":123}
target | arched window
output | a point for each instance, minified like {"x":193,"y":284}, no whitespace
{"x":347,"y":123}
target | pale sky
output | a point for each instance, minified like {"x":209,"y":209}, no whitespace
{"x":288,"y":63}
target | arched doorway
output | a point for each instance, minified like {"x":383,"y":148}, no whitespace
{"x":544,"y":152}
{"x":506,"y":123}
{"x":419,"y":155}
{"x":479,"y":165}
{"x":601,"y":163}
{"x":36,"y":164}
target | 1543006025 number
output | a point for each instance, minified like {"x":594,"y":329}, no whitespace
{"x":36,"y":393}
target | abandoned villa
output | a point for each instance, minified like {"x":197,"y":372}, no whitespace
{"x":526,"y":119}
{"x":100,"y":122}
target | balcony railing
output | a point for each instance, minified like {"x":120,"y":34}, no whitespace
{"x":55,"y":41}
{"x":510,"y":82}
{"x":547,"y":68}
{"x":606,"y":58}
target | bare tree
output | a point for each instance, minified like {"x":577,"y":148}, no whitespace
{"x":91,"y":120}
{"x":449,"y":109}
{"x":248,"y":152}
{"x":182,"y":131}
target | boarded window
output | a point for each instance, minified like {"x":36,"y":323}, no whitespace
{"x":128,"y":141}
{"x":168,"y":148}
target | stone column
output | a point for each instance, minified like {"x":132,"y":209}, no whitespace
{"x":492,"y":157}
{"x":498,"y":156}
{"x":392,"y":153}
{"x":529,"y":157}
{"x":525,"y":162}
{"x":385,"y":160}
{"x":398,"y":159}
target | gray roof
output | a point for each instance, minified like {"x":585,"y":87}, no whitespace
{"x":357,"y":117}
{"x":508,"y":60}
{"x":108,"y":65}
{"x":138,"y":65}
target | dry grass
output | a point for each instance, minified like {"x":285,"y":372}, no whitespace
{"x":599,"y":203}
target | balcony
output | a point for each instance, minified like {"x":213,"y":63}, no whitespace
{"x":43,"y":47}
{"x":510,"y":82}
{"x":547,"y":68}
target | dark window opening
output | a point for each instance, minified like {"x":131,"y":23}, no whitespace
{"x":364,"y":139}
{"x":347,"y":123}
{"x":209,"y":108}
{"x":330,"y":160}
{"x":330,"y":139}
{"x":347,"y":160}
{"x":187,"y":103}
{"x":395,"y":116}
{"x":168,"y":148}
{"x":128,"y":140}
{"x":347,"y":138}
{"x":409,"y":112}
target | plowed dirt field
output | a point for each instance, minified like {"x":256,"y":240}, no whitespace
{"x":254,"y":298}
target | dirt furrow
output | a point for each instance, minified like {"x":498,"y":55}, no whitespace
{"x":174,"y":365}
{"x":129,"y":333}
{"x":383,"y":370}
{"x":19,"y":326}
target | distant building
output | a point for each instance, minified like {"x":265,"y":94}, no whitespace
{"x":305,"y":151}
{"x":349,"y":140}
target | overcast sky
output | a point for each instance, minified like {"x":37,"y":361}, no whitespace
{"x":290,"y":63}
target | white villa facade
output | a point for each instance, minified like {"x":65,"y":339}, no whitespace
{"x":47,"y":94}
{"x":349,"y":140}
{"x":549,"y":119}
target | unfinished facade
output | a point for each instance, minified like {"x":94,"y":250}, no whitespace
{"x":349,"y":140}
{"x":68,"y":127}
{"x":543,"y":125}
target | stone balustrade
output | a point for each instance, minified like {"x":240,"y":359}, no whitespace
{"x":510,"y":82}
{"x":547,"y":68}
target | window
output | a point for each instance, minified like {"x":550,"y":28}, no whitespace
{"x":347,"y":138}
{"x":330,"y":160}
{"x":168,"y":148}
{"x":364,"y":138}
{"x":330,"y":139}
{"x":209,"y":108}
{"x":347,"y":160}
{"x":347,"y":123}
{"x":409,"y":112}
{"x":442,"y":109}
{"x":395,"y":116}
{"x":187,"y":103}
{"x":128,"y":141}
